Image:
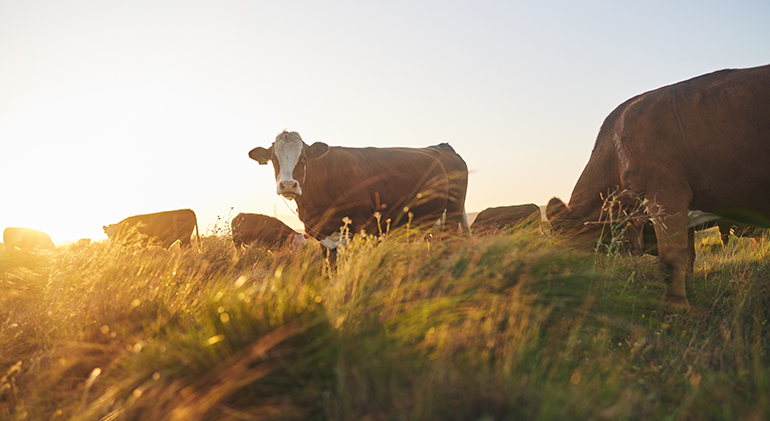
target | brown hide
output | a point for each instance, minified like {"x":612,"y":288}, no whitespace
{"x":26,"y":239}
{"x":162,"y":227}
{"x":699,"y":144}
{"x":356,"y":183}
{"x":250,"y":228}
{"x":497,"y":218}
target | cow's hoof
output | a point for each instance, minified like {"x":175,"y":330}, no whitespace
{"x":677,"y":304}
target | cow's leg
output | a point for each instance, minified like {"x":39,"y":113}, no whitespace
{"x":668,"y":204}
{"x":464,"y":222}
{"x":330,"y":260}
{"x":456,"y":220}
{"x":724,"y":231}
{"x":671,"y":231}
{"x":691,"y":251}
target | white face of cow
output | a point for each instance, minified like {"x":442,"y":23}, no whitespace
{"x":289,"y":155}
{"x":288,"y":151}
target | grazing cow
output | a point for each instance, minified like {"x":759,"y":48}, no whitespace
{"x":698,"y":221}
{"x":739,"y":230}
{"x":26,"y":239}
{"x":701,"y":220}
{"x":364,"y":184}
{"x":251,"y":228}
{"x":162,"y":228}
{"x":492,"y":219}
{"x":699,"y":144}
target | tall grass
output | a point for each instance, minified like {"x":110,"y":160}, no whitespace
{"x":407,"y":326}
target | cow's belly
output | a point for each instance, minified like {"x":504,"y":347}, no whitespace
{"x":737,"y":209}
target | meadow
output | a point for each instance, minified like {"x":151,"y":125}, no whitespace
{"x":405,"y":327}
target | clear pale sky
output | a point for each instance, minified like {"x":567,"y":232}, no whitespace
{"x":115,"y":108}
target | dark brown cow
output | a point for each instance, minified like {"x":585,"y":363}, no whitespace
{"x":332,"y":183}
{"x":497,"y":218}
{"x":26,"y":239}
{"x":163,"y":228}
{"x":254,"y":228}
{"x":699,"y":144}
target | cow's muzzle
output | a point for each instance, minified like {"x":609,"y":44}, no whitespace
{"x":289,"y":189}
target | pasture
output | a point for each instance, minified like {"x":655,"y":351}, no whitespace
{"x":406,"y":327}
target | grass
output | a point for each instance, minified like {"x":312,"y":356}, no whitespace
{"x":405,"y":327}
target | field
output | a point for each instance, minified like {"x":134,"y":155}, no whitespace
{"x":407,"y":327}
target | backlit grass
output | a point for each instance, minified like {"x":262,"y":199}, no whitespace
{"x":409,"y":326}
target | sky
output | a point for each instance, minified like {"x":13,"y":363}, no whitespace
{"x":115,"y":108}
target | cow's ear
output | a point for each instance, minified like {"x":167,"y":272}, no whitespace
{"x":261,"y":154}
{"x":556,"y":211}
{"x":316,"y":150}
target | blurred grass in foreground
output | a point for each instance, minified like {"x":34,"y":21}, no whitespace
{"x":511,"y":326}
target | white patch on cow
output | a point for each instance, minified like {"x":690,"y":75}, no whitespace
{"x":288,"y":149}
{"x":331,"y":241}
{"x":299,"y":239}
{"x":335,"y":240}
{"x":696,"y":218}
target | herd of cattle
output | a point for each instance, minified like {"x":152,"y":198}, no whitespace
{"x":697,"y":148}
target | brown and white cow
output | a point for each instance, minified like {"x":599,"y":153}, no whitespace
{"x":699,"y":144}
{"x":330,"y":183}
{"x":162,"y":228}
{"x":26,"y":239}
{"x":497,"y":218}
{"x":255,"y":228}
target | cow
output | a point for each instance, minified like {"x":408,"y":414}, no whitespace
{"x":699,"y":221}
{"x":727,"y":227}
{"x":497,"y":218}
{"x":26,"y":239}
{"x":162,"y":228}
{"x":368,"y":186}
{"x":255,"y":228}
{"x":703,"y":143}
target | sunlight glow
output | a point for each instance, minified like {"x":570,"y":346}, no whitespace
{"x":115,"y":109}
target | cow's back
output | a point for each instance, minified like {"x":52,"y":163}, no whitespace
{"x":162,"y":227}
{"x":357,"y":182}
{"x":496,"y":218}
{"x":703,"y":143}
{"x":26,"y":239}
{"x":249,"y":228}
{"x":718,"y":141}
